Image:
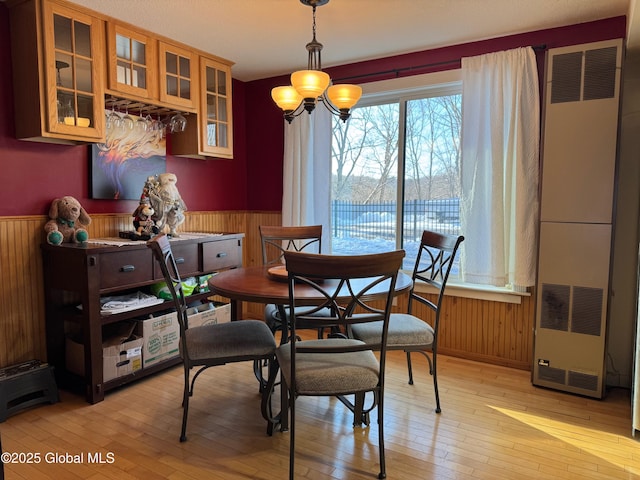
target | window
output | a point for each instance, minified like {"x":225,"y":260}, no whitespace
{"x":396,"y":171}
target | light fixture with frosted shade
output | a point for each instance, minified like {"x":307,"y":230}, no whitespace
{"x":311,"y":84}
{"x":344,"y":97}
{"x":287,"y":98}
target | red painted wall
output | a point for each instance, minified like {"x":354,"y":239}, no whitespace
{"x":32,"y":174}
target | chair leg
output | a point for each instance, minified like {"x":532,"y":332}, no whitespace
{"x":257,"y":371}
{"x":434,"y":372}
{"x":383,"y":467}
{"x":292,"y":432}
{"x":409,"y":367}
{"x":185,"y":405}
{"x":360,"y":415}
{"x":267,"y":394}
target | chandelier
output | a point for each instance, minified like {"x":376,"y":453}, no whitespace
{"x":309,"y":86}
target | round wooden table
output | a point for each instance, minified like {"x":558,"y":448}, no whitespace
{"x":256,"y":284}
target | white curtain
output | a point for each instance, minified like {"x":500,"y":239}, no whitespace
{"x":306,"y":186}
{"x":500,"y":168}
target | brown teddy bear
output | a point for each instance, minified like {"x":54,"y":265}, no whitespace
{"x":142,"y":220}
{"x":68,"y":222}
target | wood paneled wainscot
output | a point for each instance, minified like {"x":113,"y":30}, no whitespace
{"x":490,"y":331}
{"x":77,"y":276}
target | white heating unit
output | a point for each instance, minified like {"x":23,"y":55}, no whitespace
{"x":582,"y":98}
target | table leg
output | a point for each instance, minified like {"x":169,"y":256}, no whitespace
{"x":236,"y":310}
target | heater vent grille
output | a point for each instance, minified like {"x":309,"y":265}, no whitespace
{"x":583,"y":381}
{"x":550,"y":374}
{"x":586,"y":314}
{"x":573,"y":80}
{"x":566,"y":77}
{"x":600,"y":73}
{"x":555,"y":307}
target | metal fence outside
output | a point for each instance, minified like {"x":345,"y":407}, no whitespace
{"x":359,"y":228}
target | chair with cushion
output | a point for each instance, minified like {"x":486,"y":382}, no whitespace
{"x":407,"y":331}
{"x":337,"y":366}
{"x":210,"y":345}
{"x":277,"y":240}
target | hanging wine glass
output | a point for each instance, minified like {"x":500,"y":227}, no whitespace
{"x":160,"y":128}
{"x":127,"y":121}
{"x":113,"y":119}
{"x":142,"y":124}
{"x":149,"y":121}
{"x":178,"y":123}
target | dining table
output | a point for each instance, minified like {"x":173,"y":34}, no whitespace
{"x":269,"y":284}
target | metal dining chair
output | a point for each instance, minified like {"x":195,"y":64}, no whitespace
{"x":214,"y":344}
{"x":276,"y":240}
{"x":408,"y":331}
{"x":338,"y":366}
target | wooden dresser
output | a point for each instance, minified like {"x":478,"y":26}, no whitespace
{"x":76,"y":276}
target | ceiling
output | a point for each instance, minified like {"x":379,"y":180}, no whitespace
{"x":266,"y":38}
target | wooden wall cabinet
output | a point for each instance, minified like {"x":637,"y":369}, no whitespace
{"x":132,"y":62}
{"x":58,"y":73}
{"x":178,"y":76}
{"x":67,"y":58}
{"x":80,"y":274}
{"x":212,"y":133}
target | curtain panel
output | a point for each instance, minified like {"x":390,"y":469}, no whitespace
{"x":500,"y":168}
{"x":306,"y":189}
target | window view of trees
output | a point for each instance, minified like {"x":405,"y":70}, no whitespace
{"x":395,"y":173}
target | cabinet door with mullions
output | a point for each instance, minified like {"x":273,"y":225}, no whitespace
{"x":74,"y":90}
{"x":132,"y":61}
{"x":178,"y":76}
{"x":216,"y":121}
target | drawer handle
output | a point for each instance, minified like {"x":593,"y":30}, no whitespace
{"x":127,"y":268}
{"x":179,"y":260}
{"x":221,"y":255}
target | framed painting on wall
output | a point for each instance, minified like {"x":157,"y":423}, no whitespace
{"x":134,"y":149}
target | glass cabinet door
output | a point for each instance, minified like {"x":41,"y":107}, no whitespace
{"x":75,"y":94}
{"x":132,"y":61}
{"x":178,"y":76}
{"x":215,"y":109}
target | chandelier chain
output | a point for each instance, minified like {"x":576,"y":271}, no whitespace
{"x":314,"y":22}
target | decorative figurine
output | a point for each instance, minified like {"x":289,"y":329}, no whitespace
{"x":166,"y":201}
{"x":145,"y":226}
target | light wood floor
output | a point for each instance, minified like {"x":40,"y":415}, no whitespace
{"x":494,"y":425}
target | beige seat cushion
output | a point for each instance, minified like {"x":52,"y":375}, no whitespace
{"x":229,"y":340}
{"x":404,"y":331}
{"x":330,"y":374}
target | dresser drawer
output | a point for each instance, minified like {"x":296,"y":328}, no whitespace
{"x":221,"y":254}
{"x":125,"y":267}
{"x":187,"y":260}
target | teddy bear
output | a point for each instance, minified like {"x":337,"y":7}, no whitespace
{"x":68,"y":222}
{"x":143,"y":219}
